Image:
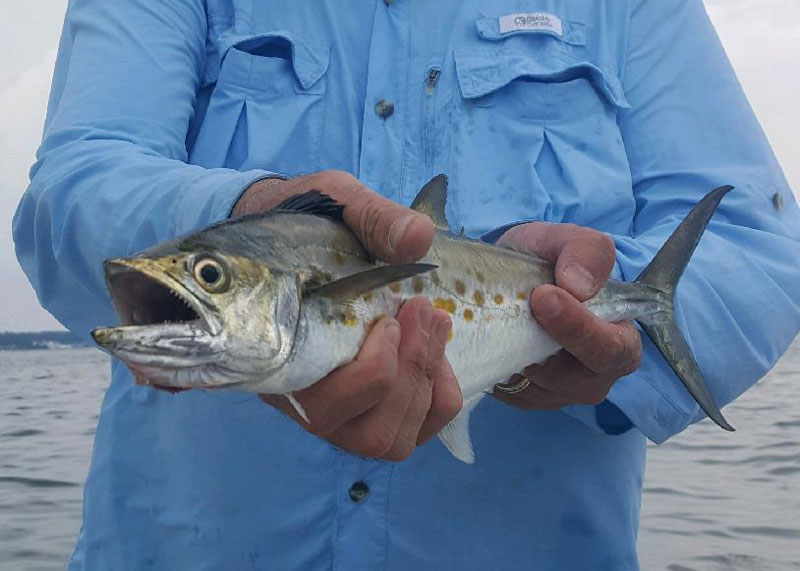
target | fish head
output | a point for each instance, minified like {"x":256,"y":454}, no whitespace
{"x":200,"y":319}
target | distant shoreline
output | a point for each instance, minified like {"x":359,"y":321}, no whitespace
{"x":40,"y":341}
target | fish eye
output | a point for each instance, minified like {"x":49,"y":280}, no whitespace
{"x":211,"y":274}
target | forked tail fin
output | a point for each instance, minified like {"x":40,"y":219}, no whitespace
{"x":663,"y":274}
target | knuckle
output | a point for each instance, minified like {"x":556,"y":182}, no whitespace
{"x":399,"y":452}
{"x":376,"y":445}
{"x":607,"y":355}
{"x":320,"y":421}
{"x":369,"y":220}
{"x":339,"y":180}
{"x":606,"y":245}
{"x":627,"y":351}
{"x":451,"y":408}
{"x":584,"y":334}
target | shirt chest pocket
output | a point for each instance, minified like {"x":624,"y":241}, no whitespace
{"x":267,"y":108}
{"x":535,"y":137}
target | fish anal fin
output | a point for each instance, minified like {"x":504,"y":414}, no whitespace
{"x":297,"y":407}
{"x":455,"y":436}
{"x":362,"y":282}
{"x":432,"y":200}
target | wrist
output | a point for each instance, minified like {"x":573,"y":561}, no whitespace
{"x":261,"y":195}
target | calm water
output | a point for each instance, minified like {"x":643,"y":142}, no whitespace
{"x":712,"y":501}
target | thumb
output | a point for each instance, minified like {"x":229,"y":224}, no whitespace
{"x":388,"y":231}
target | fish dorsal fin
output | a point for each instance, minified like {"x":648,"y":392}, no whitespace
{"x":432,"y":200}
{"x":362,"y":282}
{"x":313,"y":202}
{"x":455,"y":436}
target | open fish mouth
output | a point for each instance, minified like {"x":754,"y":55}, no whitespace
{"x":146,"y":296}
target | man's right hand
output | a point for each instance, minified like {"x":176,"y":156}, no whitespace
{"x":400,"y":389}
{"x":388,"y":231}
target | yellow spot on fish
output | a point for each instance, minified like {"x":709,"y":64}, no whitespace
{"x":468,"y":315}
{"x":418,"y":285}
{"x":447,"y":305}
{"x":367,"y":296}
{"x":460,"y":287}
{"x":498,"y":299}
{"x":338,"y":258}
{"x":349,"y":319}
{"x":522,"y":296}
{"x":395,"y":287}
{"x":449,"y":335}
{"x":478,"y":297}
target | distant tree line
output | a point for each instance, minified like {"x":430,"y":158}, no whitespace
{"x":40,"y":340}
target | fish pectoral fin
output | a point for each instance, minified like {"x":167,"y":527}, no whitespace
{"x":455,"y":436}
{"x":432,"y":200}
{"x":362,"y":282}
{"x":297,"y":407}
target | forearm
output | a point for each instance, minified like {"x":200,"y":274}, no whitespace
{"x":688,"y":130}
{"x":112,"y":173}
{"x":98,"y":199}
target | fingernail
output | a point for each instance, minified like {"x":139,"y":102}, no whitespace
{"x":398,"y":230}
{"x":579,"y":280}
{"x":392,"y":332}
{"x":548,"y":307}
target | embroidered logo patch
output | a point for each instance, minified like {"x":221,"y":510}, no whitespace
{"x":531,"y":21}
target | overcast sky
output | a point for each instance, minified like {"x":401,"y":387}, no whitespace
{"x":762,"y":38}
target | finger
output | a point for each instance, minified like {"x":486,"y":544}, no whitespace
{"x":583,"y":257}
{"x":418,"y":357}
{"x":602,"y":346}
{"x":375,"y":433}
{"x":573,"y":383}
{"x":534,"y":397}
{"x":353,"y":389}
{"x":446,"y":402}
{"x":421,"y":379}
{"x":389,"y":231}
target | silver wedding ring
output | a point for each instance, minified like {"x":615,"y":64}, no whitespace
{"x":516,"y":388}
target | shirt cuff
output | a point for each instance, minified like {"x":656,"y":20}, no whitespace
{"x":213,"y":197}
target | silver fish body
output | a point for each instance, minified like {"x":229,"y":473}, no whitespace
{"x":272,"y":303}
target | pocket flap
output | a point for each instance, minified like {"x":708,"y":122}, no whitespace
{"x":308,"y":62}
{"x":481,"y":72}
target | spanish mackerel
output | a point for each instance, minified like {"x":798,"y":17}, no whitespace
{"x":273,"y":302}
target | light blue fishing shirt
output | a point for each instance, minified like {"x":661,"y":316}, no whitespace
{"x":618,"y":115}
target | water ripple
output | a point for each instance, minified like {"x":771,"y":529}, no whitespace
{"x":37,"y":482}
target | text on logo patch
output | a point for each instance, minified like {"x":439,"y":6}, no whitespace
{"x":532,"y":21}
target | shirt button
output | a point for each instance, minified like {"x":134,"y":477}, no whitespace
{"x":358,"y":492}
{"x":384,"y":108}
{"x":388,"y":2}
{"x":777,"y":201}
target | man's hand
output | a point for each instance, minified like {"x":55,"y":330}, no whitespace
{"x":388,"y":231}
{"x":596,"y":353}
{"x":400,"y":389}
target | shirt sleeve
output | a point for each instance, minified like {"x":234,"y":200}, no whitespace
{"x":111,"y":175}
{"x":690,"y":129}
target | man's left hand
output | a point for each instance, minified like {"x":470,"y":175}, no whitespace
{"x":596,"y":353}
